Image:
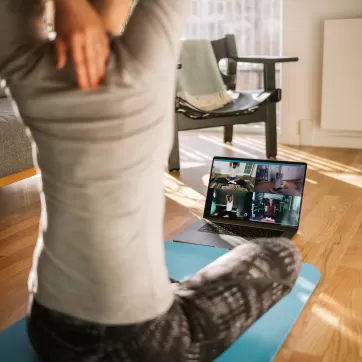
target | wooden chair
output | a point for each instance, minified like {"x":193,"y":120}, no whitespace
{"x":248,"y":107}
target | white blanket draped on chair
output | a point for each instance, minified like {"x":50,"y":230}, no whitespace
{"x":199,"y":81}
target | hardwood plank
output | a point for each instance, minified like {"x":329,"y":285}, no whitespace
{"x":305,"y":357}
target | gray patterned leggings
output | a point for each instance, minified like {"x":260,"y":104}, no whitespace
{"x":211,"y":310}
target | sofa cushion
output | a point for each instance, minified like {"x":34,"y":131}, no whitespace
{"x":15,"y":146}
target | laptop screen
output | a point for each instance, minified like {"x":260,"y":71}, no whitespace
{"x":256,"y":191}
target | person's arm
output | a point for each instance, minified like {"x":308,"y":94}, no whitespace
{"x":80,"y":29}
{"x":21,"y":31}
{"x":237,"y":178}
{"x":114,"y":13}
{"x":151,"y":39}
{"x":228,"y":176}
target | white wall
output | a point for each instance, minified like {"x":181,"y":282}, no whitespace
{"x":224,"y":168}
{"x":342,"y":76}
{"x":274,"y":196}
{"x":292,"y":173}
{"x":302,"y":81}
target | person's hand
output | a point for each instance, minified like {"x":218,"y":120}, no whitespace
{"x":114,"y":13}
{"x":81,"y":31}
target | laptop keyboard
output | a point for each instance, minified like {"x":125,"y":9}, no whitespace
{"x":239,"y":230}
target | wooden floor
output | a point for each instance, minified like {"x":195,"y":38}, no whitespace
{"x":330,"y":237}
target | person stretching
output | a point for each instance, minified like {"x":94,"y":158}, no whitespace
{"x":278,"y":182}
{"x":228,"y":210}
{"x":102,"y":128}
{"x":229,"y":203}
{"x":234,"y":168}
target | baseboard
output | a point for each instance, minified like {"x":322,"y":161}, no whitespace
{"x":292,"y":140}
{"x":10,"y":179}
{"x":334,"y":139}
{"x":323,"y":138}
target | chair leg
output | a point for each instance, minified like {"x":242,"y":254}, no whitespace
{"x":271,"y":131}
{"x":228,"y":134}
{"x":271,"y":113}
{"x":174,"y":159}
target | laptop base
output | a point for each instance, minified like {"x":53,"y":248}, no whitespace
{"x":192,"y":235}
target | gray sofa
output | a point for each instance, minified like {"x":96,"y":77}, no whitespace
{"x":15,"y":148}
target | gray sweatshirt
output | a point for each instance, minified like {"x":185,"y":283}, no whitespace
{"x":101,"y":154}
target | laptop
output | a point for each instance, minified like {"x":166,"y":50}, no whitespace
{"x":248,"y":199}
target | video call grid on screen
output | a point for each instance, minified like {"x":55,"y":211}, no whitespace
{"x":257,"y":191}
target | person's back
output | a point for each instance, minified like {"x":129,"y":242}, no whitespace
{"x":99,"y":278}
{"x":103,"y":175}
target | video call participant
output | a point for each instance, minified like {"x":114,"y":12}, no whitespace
{"x":229,"y":203}
{"x":227,"y":210}
{"x":234,"y":168}
{"x":278,"y":182}
{"x":270,"y":207}
{"x":232,"y":177}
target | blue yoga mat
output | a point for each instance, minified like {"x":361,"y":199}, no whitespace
{"x":260,"y":343}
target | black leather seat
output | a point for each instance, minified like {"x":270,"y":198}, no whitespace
{"x":242,"y":103}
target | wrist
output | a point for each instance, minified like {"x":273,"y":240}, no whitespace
{"x":114,"y":13}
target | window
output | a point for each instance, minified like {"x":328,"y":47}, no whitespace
{"x":194,"y":8}
{"x":248,"y":169}
{"x":255,"y":23}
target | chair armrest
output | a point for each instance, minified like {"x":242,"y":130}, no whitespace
{"x":264,"y":60}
